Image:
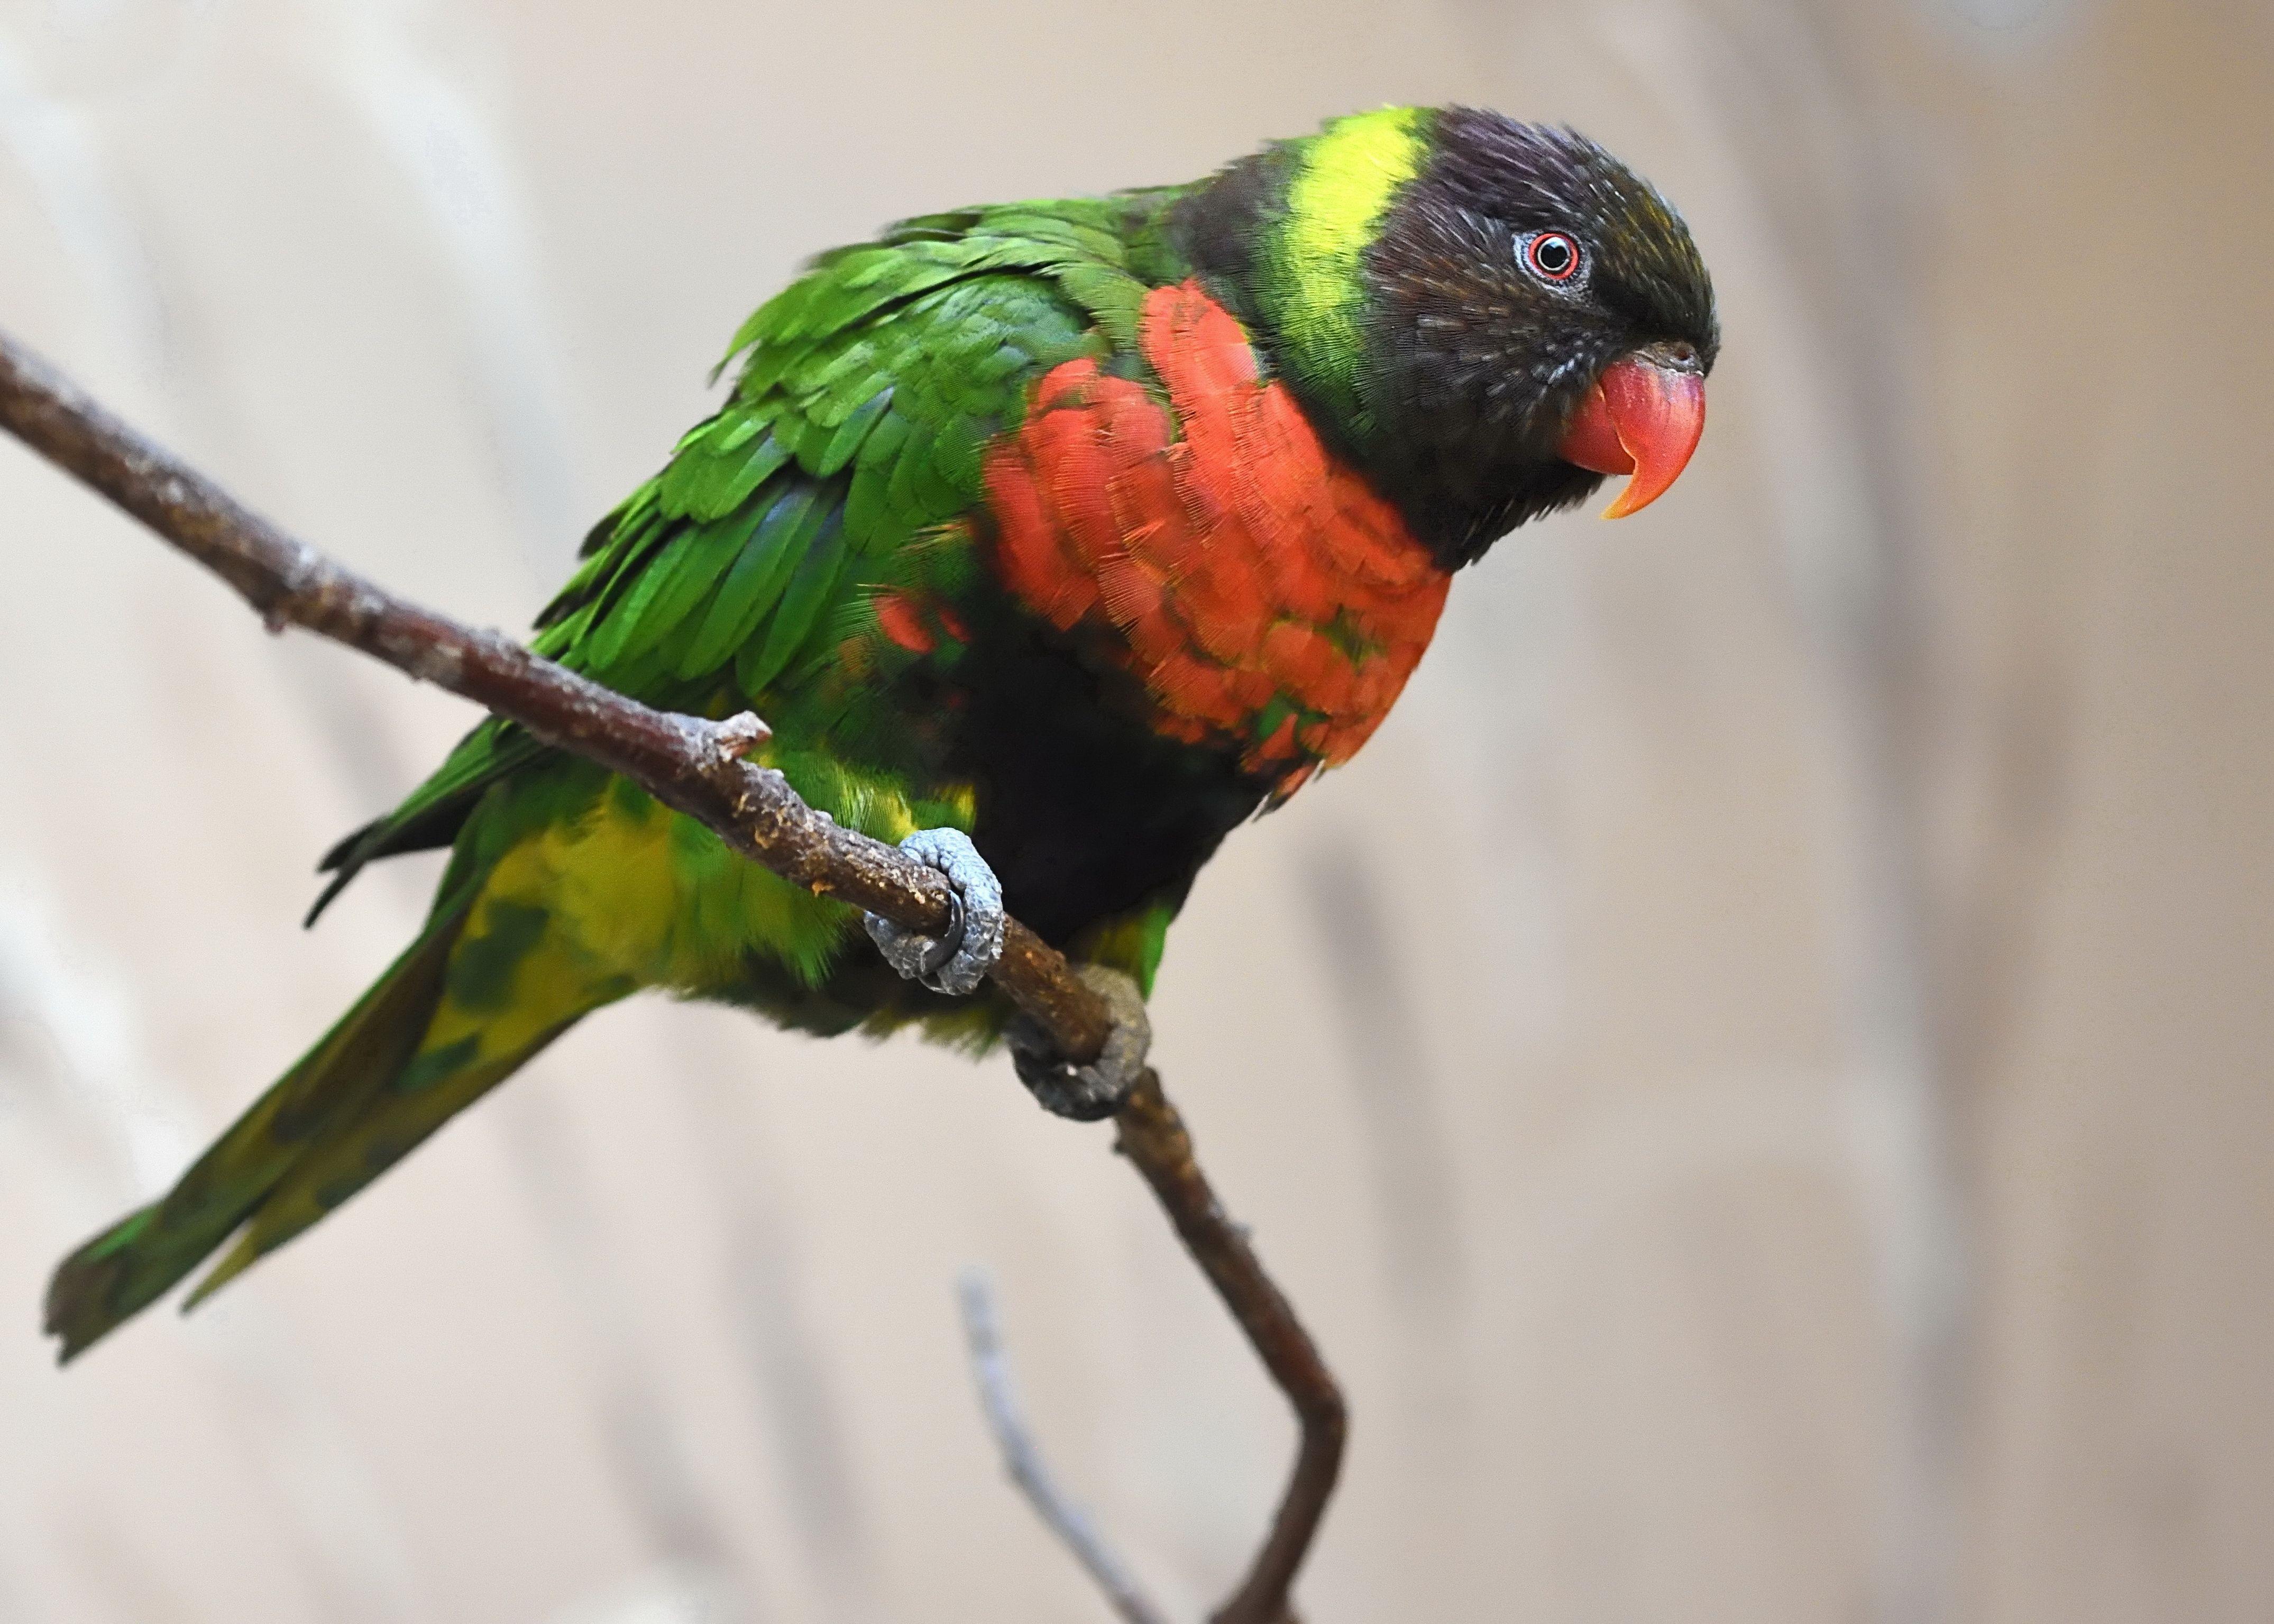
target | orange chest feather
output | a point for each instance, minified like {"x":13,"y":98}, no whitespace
{"x":1258,"y":591}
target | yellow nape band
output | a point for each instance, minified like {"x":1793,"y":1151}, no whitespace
{"x":1349,"y":172}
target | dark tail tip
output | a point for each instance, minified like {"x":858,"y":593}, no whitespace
{"x":108,"y":1282}
{"x":342,"y":862}
{"x":76,"y":1316}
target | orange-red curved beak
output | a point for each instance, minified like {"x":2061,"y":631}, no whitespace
{"x":1643,"y":417}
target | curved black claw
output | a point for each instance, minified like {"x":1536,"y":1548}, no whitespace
{"x":1090,"y":1093}
{"x":957,"y":962}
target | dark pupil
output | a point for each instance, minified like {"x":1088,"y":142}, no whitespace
{"x":1552,"y":255}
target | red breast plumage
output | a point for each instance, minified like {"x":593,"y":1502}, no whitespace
{"x":1263,"y":595}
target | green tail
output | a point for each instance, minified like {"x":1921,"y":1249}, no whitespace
{"x":354,"y":1105}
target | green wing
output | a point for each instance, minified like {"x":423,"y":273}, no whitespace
{"x":852,"y":440}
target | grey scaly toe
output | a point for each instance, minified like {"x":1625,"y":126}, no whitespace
{"x":958,"y":960}
{"x":1089,"y":1093}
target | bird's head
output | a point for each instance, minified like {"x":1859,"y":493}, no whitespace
{"x":1489,"y":317}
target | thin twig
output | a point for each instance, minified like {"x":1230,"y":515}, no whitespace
{"x":991,"y":1369}
{"x":697,"y":766}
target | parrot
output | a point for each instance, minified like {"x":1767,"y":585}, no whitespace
{"x":1053,"y":540}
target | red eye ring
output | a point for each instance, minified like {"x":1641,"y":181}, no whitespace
{"x":1552,"y":256}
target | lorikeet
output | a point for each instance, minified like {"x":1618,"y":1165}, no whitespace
{"x":1062,"y":537}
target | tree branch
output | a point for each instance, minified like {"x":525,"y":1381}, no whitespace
{"x":1148,"y":1132}
{"x":697,"y":766}
{"x":991,"y":1369}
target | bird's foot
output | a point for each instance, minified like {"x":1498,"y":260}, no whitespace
{"x":957,"y":961}
{"x":1092,"y":1092}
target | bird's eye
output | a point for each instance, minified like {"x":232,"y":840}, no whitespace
{"x":1552,"y":255}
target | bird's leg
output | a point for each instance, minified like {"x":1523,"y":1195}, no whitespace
{"x":1089,"y":1093}
{"x":958,"y":960}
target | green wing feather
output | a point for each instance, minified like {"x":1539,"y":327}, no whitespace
{"x":867,"y":393}
{"x":852,"y":438}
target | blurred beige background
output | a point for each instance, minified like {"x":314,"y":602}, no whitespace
{"x":1823,"y":1171}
